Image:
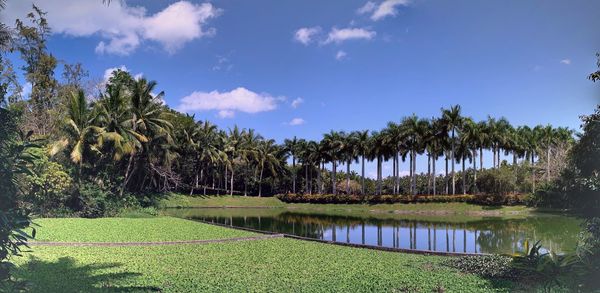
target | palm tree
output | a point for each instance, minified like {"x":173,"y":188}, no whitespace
{"x":266,"y":154}
{"x":453,"y":121}
{"x":362,"y":148}
{"x":435,"y":144}
{"x":147,"y":118}
{"x":233,"y":147}
{"x":379,"y":151}
{"x":349,"y":154}
{"x":415,"y":130}
{"x":80,"y":132}
{"x":206,"y":143}
{"x":291,"y":146}
{"x":333,"y":142}
{"x":248,"y":153}
{"x":470,"y":141}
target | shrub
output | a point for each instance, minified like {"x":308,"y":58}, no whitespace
{"x":588,"y":250}
{"x":489,"y":266}
{"x":48,"y":187}
{"x":371,"y":199}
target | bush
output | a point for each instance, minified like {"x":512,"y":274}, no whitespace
{"x":370,"y":199}
{"x":489,"y":266}
{"x":48,"y":187}
{"x":588,"y":250}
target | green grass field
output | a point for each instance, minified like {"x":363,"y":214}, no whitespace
{"x":129,"y":230}
{"x":181,"y":201}
{"x":248,"y":266}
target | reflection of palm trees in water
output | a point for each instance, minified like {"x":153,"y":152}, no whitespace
{"x":482,"y":235}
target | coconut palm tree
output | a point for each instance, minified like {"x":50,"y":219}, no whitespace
{"x":470,"y":140}
{"x":206,"y":142}
{"x":436,"y":145}
{"x":248,"y":154}
{"x":147,"y":119}
{"x":378,"y":151}
{"x":80,"y":133}
{"x":333,"y":142}
{"x":349,"y":154}
{"x":291,"y":146}
{"x":453,"y":120}
{"x":233,"y":147}
{"x":362,"y":148}
{"x":415,"y":130}
{"x":267,"y":156}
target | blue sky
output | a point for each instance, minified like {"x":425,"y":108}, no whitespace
{"x":352,"y":64}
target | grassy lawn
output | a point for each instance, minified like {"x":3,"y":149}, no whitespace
{"x":176,"y":200}
{"x":249,"y":266}
{"x":129,"y":230}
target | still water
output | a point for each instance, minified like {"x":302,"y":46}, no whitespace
{"x":473,"y":234}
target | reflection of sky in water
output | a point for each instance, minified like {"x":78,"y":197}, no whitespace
{"x":489,"y":235}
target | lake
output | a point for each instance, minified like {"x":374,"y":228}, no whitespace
{"x":449,"y":233}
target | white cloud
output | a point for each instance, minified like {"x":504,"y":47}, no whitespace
{"x":297,"y":101}
{"x":296,"y":122}
{"x":340,"y":55}
{"x":305,"y":35}
{"x":341,"y":35}
{"x":122,"y":28}
{"x":367,"y":8}
{"x":226,"y":114}
{"x":109,"y":71}
{"x":387,"y":8}
{"x":383,"y":10}
{"x":227,"y":103}
{"x":566,"y":61}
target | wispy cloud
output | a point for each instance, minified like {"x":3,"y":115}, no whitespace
{"x":383,"y":9}
{"x":306,"y":35}
{"x":340,"y":55}
{"x":296,"y":102}
{"x":566,"y":61}
{"x":341,"y":35}
{"x":296,"y":122}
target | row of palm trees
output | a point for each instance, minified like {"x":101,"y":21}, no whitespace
{"x":452,"y":136}
{"x":149,"y":145}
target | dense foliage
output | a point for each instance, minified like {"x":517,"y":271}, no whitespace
{"x":489,"y":266}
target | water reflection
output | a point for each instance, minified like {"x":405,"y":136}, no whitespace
{"x":473,"y":235}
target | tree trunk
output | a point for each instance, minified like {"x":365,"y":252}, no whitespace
{"x":262,"y":167}
{"x":428,"y":172}
{"x":494,"y":152}
{"x":464,"y":176}
{"x":231,"y":183}
{"x":446,"y":177}
{"x":475,"y":170}
{"x":127,"y":175}
{"x":293,"y":174}
{"x":333,"y":178}
{"x":434,"y":174}
{"x":348,"y":177}
{"x":394,"y":175}
{"x":533,"y":172}
{"x":453,"y":175}
{"x":379,"y":175}
{"x":480,"y":159}
{"x":548,"y":164}
{"x":362,"y":177}
{"x":410,"y":172}
{"x":414,"y":167}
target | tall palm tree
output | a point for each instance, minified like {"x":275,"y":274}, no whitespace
{"x":415,"y":130}
{"x":248,"y":153}
{"x":206,"y":143}
{"x":470,"y":140}
{"x":147,"y":118}
{"x":266,"y":154}
{"x":291,"y":146}
{"x":80,"y":133}
{"x":334,"y":144}
{"x":349,"y":154}
{"x":435,"y":145}
{"x":453,"y":121}
{"x":362,"y":148}
{"x":233,"y":147}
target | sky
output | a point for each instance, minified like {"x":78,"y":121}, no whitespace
{"x":303,"y":68}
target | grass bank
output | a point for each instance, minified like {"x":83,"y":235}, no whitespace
{"x":450,"y":208}
{"x":262,"y":265}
